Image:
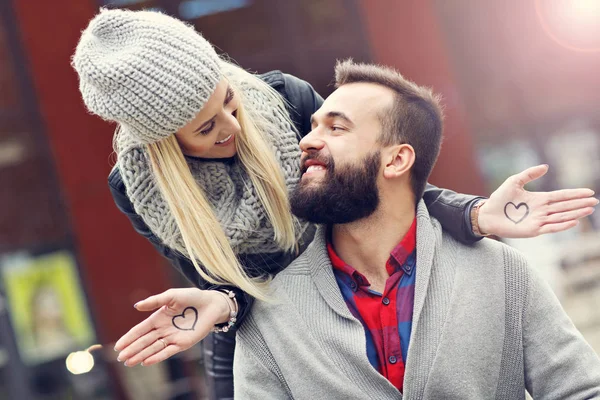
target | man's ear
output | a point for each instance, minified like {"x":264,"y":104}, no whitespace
{"x":399,"y":160}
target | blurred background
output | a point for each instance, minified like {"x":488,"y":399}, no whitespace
{"x":521,"y":87}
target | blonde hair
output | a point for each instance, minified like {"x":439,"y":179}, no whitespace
{"x":202,"y":234}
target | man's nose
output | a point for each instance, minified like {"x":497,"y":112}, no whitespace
{"x":312,"y":141}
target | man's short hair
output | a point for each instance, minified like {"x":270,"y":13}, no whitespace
{"x":415,"y":117}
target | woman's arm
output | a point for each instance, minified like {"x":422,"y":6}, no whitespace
{"x":511,"y":211}
{"x":453,"y":211}
{"x":179,"y":261}
{"x":303,"y":99}
{"x":181,"y":318}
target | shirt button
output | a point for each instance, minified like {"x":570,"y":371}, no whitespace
{"x":385,"y":301}
{"x":353,"y":286}
{"x":392,"y":360}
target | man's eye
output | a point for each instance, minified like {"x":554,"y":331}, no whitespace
{"x":337,"y":128}
{"x":207,"y":130}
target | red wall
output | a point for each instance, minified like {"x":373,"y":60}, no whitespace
{"x":405,"y":34}
{"x":118,"y":266}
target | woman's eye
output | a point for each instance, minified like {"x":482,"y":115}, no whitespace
{"x":228,"y":96}
{"x":337,"y":128}
{"x":207,"y":130}
{"x":234,"y":113}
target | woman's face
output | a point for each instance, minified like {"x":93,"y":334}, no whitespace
{"x":212,"y":133}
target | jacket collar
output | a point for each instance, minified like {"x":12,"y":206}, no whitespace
{"x":322,"y":270}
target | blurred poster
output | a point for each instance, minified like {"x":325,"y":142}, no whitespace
{"x":46,"y":306}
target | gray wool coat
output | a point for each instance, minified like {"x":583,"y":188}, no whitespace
{"x":485,"y":326}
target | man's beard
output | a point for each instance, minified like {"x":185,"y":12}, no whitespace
{"x":340,"y":196}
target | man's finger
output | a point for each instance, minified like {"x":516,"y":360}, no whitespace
{"x":553,"y":228}
{"x":154,"y":302}
{"x":569,"y":215}
{"x":571,"y":205}
{"x":569,"y":194}
{"x":531,"y":174}
{"x":134,"y":333}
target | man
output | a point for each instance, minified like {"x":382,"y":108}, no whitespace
{"x":383,"y":304}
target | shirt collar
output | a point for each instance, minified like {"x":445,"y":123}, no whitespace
{"x":400,"y":257}
{"x":339,"y":265}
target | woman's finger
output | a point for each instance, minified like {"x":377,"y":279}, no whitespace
{"x":153,"y":302}
{"x":530,"y":174}
{"x":162,"y":355}
{"x":568,"y":215}
{"x":138,"y":345}
{"x":149,"y":351}
{"x":569,"y":194}
{"x":136,"y":332}
{"x":553,"y":228}
{"x":571,"y":205}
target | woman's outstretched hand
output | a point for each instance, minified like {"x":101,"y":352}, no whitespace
{"x":513,"y":212}
{"x":182,"y":318}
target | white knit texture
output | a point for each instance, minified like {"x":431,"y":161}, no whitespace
{"x":227,"y":186}
{"x":152,"y":74}
{"x":147,"y":71}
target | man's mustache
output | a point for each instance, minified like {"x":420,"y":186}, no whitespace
{"x":316,"y":156}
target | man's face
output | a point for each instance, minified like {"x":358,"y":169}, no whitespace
{"x":341,"y":159}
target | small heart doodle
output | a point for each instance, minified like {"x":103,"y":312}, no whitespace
{"x":513,"y":212}
{"x":186,"y":321}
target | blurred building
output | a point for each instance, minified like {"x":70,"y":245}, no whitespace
{"x":520,"y":85}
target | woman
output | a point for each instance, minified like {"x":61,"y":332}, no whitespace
{"x":206,"y":156}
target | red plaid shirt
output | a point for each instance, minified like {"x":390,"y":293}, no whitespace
{"x":387,"y":316}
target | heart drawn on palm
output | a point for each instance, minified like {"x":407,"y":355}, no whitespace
{"x":186,"y":321}
{"x":516,"y":212}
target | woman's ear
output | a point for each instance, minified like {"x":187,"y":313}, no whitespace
{"x":400,"y":159}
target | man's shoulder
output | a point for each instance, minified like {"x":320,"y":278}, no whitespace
{"x":291,"y":283}
{"x":488,"y":254}
{"x":301,"y":267}
{"x":512,"y":257}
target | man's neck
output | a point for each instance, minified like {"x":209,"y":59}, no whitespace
{"x":366,"y":244}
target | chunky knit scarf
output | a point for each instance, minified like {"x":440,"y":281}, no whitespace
{"x":226,"y":185}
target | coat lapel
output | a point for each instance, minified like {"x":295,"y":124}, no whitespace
{"x":324,"y":279}
{"x":422,"y":349}
{"x":426,"y":244}
{"x":323,"y":276}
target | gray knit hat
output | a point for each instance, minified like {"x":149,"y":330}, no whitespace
{"x":147,"y":71}
{"x":152,"y":74}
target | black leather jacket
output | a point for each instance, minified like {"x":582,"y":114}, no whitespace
{"x":451,"y":209}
